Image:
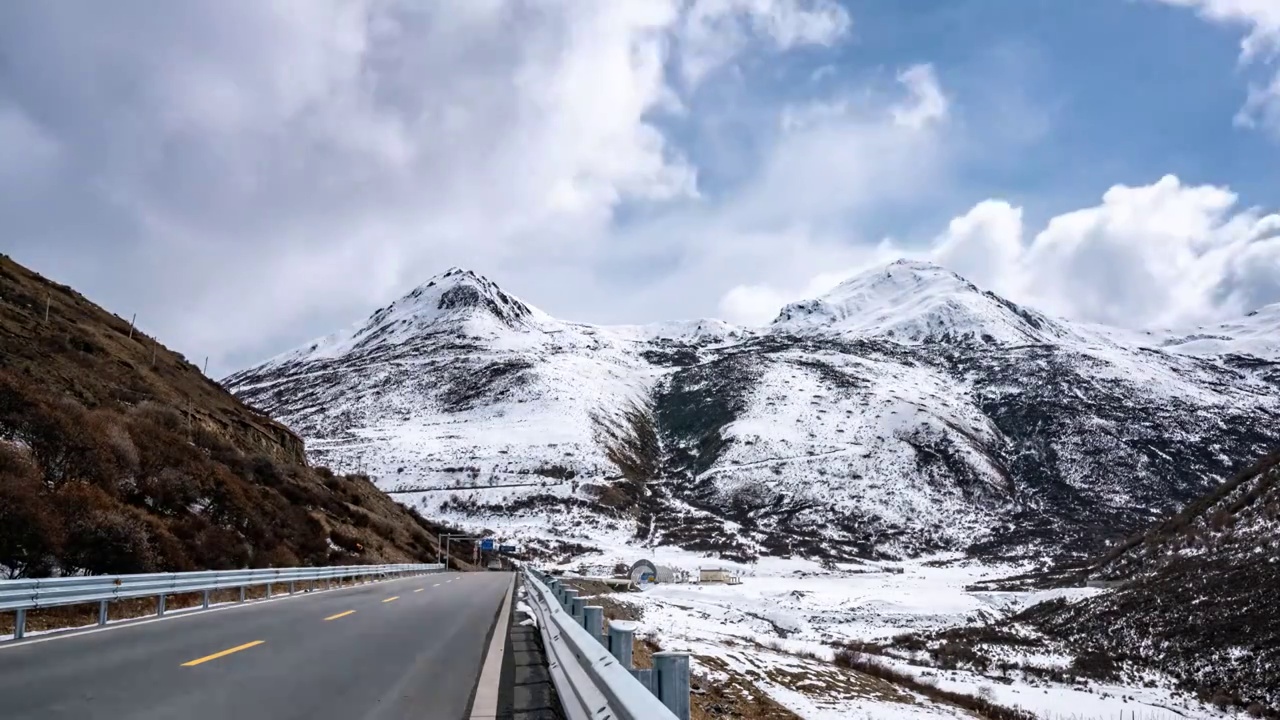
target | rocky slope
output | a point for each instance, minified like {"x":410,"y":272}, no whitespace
{"x":1197,"y":598}
{"x":118,"y":455}
{"x":905,"y":411}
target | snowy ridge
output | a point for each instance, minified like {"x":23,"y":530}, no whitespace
{"x":905,"y":412}
{"x":914,"y":301}
{"x":1257,"y":334}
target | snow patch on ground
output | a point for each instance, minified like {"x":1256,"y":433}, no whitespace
{"x":777,"y":627}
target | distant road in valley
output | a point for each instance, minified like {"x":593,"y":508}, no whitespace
{"x":448,"y":488}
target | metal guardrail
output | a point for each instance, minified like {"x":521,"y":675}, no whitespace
{"x":592,"y":671}
{"x":23,"y":595}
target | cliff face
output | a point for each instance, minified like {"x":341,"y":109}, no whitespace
{"x":258,"y":435}
{"x":68,"y":344}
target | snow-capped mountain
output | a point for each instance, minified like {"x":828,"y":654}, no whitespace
{"x":905,"y":411}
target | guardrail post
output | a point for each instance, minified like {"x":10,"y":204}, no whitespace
{"x":593,"y":620}
{"x":20,"y":624}
{"x":205,"y":604}
{"x":268,"y":591}
{"x":290,"y":587}
{"x":567,"y":601}
{"x":241,"y":593}
{"x":672,"y":669}
{"x":102,"y":612}
{"x":648,"y":678}
{"x":160,"y":606}
{"x":622,"y":641}
{"x":576,"y":609}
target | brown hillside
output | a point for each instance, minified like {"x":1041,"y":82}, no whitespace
{"x":94,"y":356}
{"x":1198,"y":599}
{"x":117,"y":455}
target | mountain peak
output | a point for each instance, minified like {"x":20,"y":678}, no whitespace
{"x":921,"y":265}
{"x":456,"y":296}
{"x":916,"y":300}
{"x":451,"y":278}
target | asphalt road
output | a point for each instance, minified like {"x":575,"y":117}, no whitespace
{"x":349,"y":654}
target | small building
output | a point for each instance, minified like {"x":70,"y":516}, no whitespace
{"x":717,"y":575}
{"x":645,"y":571}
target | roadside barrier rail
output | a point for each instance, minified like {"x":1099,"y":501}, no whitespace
{"x":592,"y":670}
{"x":21,"y":596}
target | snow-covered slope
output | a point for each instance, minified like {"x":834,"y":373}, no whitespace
{"x":1257,"y":334}
{"x":905,"y":411}
{"x":914,"y":301}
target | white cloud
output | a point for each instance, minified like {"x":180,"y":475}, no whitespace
{"x":983,"y":244}
{"x":1160,"y":255}
{"x":1261,"y":44}
{"x":1260,"y":17}
{"x":926,"y":104}
{"x":1152,"y":256}
{"x":713,"y":32}
{"x":758,"y":304}
{"x":1262,"y":109}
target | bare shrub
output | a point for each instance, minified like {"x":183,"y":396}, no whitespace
{"x":984,"y":707}
{"x":103,"y":537}
{"x":31,"y":533}
{"x":161,"y":415}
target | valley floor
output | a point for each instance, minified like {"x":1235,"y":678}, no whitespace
{"x":775,"y":632}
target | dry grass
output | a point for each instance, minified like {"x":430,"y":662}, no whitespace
{"x":737,"y":697}
{"x":86,"y":352}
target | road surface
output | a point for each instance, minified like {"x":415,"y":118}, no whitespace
{"x":410,"y":648}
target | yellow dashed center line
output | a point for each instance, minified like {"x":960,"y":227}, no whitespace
{"x":394,"y":597}
{"x":224,"y":653}
{"x":340,"y":615}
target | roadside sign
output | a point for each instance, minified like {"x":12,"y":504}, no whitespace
{"x":506,"y":548}
{"x":486,"y":544}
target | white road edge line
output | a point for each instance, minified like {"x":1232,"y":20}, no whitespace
{"x":485,"y":705}
{"x":173,"y":615}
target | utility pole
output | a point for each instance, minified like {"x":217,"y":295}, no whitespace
{"x":153,"y":355}
{"x":206,"y":365}
{"x":48,"y":300}
{"x":131,"y":321}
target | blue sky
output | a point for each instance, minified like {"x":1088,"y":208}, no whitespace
{"x":1128,"y":91}
{"x":1102,"y":92}
{"x":248,"y":174}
